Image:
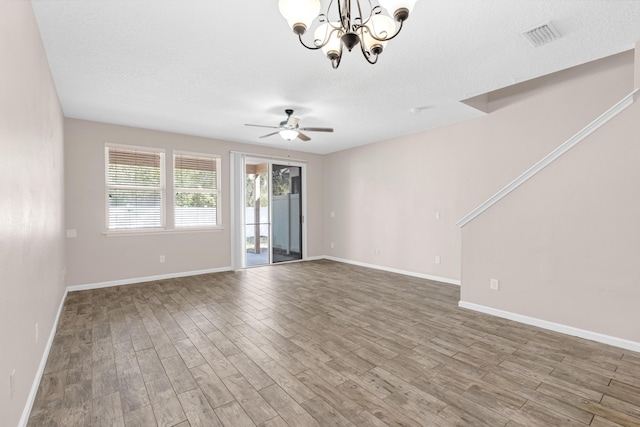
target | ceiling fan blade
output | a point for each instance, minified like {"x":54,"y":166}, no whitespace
{"x":303,"y":137}
{"x":262,"y":126}
{"x":318,"y":129}
{"x":269,"y":134}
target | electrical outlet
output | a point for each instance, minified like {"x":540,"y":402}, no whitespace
{"x":437,"y":259}
{"x":437,"y":215}
{"x":162,"y":259}
{"x":332,"y":245}
{"x":494,"y":284}
{"x":12,"y":384}
{"x":333,"y":214}
{"x":37,"y":333}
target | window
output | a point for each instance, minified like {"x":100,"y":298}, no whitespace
{"x":135,"y":187}
{"x":197,"y":190}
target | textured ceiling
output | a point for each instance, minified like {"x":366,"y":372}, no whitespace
{"x":207,"y":67}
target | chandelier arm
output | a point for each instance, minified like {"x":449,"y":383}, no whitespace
{"x":329,"y":7}
{"x":359,"y":11}
{"x":340,"y":13}
{"x":310,"y":47}
{"x":368,"y":54}
{"x":323,"y":44}
{"x":373,"y":36}
{"x":373,"y":10}
{"x":335,"y":63}
{"x":371,"y":13}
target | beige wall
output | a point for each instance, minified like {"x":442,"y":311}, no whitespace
{"x":565,"y":244}
{"x":31,"y":204}
{"x":96,"y":258}
{"x":385,"y":195}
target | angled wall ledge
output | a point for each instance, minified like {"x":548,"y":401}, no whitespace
{"x":623,"y":104}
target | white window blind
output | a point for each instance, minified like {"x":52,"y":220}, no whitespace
{"x":196,"y":186}
{"x":135,"y":187}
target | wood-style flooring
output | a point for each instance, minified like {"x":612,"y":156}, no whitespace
{"x":319,"y":343}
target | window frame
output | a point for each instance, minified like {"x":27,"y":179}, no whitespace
{"x":217,"y":192}
{"x":162,"y":189}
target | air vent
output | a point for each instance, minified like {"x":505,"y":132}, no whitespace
{"x":542,"y":34}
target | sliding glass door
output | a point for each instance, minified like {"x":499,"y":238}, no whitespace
{"x":273,"y":212}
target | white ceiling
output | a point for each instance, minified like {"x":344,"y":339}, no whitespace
{"x":208,"y":67}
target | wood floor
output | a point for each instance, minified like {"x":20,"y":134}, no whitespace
{"x":319,"y":343}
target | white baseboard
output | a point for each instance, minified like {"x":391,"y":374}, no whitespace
{"x":43,"y":363}
{"x":315,"y":258}
{"x":144,"y":279}
{"x":396,"y":270}
{"x":552,"y":326}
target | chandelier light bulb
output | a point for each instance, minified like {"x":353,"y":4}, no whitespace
{"x":380,"y":26}
{"x":299,"y":13}
{"x":329,"y":38}
{"x":400,"y":9}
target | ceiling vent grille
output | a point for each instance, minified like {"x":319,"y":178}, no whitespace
{"x":542,"y":34}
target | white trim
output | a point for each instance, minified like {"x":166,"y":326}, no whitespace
{"x":395,"y":270}
{"x":269,"y":210}
{"x":551,"y":157}
{"x":152,"y":149}
{"x":266,"y":156}
{"x":144,"y":279}
{"x":157,"y":231}
{"x":162,"y":188}
{"x":237,"y":184}
{"x":217,"y":191}
{"x":315,"y":258}
{"x":196,"y":154}
{"x":552,"y":326}
{"x":43,"y":363}
{"x":304,"y":196}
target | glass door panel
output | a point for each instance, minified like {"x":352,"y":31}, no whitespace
{"x":257,"y":224}
{"x":286,"y":210}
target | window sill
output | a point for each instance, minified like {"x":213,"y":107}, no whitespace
{"x":160,"y":231}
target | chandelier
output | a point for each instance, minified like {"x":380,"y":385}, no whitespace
{"x":345,"y":26}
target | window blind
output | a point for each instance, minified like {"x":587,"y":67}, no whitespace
{"x":196,"y":190}
{"x":134,"y":188}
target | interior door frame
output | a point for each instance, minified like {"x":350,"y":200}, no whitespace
{"x":238,"y":197}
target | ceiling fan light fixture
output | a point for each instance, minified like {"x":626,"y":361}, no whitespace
{"x":365,"y":23}
{"x":290,"y":129}
{"x":288,"y":134}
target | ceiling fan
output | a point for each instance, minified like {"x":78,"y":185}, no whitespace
{"x":290,"y":129}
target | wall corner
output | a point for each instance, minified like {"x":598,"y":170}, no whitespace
{"x":636,"y":68}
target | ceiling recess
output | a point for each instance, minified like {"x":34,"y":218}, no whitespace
{"x":542,"y":34}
